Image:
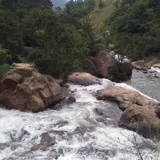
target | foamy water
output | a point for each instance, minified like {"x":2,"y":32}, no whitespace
{"x":85,"y":130}
{"x":157,"y":69}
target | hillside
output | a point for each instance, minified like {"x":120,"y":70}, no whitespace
{"x":83,"y":29}
{"x":133,"y":25}
{"x":99,"y":15}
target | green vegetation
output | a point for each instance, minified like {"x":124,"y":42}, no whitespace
{"x":99,"y":15}
{"x":59,"y":42}
{"x":50,"y":78}
{"x":4,"y":69}
{"x":4,"y":57}
{"x":58,"y":45}
{"x":135,"y":27}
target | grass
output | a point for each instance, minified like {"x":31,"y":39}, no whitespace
{"x":99,"y":16}
{"x":4,"y":69}
{"x":50,"y":78}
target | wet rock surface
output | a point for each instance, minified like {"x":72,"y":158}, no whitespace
{"x":141,"y":114}
{"x":125,"y":97}
{"x":83,"y":78}
{"x":45,"y":142}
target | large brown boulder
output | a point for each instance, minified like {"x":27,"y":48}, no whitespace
{"x":104,"y":65}
{"x":89,"y":66}
{"x":83,"y":78}
{"x":142,"y":120}
{"x":23,"y":88}
{"x":126,"y":97}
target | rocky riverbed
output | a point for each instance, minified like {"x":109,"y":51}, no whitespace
{"x":85,"y":130}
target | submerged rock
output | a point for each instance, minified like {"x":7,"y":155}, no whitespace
{"x":82,"y":78}
{"x":70,"y":100}
{"x":45,"y":142}
{"x":23,"y":88}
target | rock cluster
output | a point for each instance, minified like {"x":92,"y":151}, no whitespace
{"x":145,"y":65}
{"x":105,"y":65}
{"x":141,"y":113}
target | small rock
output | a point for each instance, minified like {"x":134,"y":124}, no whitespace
{"x":36,"y":147}
{"x":71,"y":100}
{"x":46,"y":139}
{"x":45,"y":142}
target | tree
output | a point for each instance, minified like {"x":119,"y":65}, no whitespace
{"x":101,"y":4}
{"x":137,"y":19}
{"x":4,"y":55}
{"x":14,"y":5}
{"x":10,"y":36}
{"x":60,"y":48}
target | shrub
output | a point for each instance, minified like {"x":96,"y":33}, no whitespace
{"x":4,"y":69}
{"x":4,"y":56}
{"x":50,"y":78}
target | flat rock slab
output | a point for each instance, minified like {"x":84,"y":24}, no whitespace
{"x":82,"y":78}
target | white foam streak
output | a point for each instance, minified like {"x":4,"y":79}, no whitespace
{"x":157,"y":69}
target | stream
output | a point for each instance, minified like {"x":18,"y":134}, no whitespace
{"x":85,"y":130}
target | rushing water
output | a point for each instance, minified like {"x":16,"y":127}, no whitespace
{"x":148,"y":83}
{"x":85,"y":130}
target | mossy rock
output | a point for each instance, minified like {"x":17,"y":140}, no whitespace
{"x":123,"y":72}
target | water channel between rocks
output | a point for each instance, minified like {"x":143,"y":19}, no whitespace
{"x":85,"y":130}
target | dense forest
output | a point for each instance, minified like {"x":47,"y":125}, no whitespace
{"x":58,"y":41}
{"x":135,"y":25}
{"x":30,"y":31}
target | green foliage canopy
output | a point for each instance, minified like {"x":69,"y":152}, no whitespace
{"x":60,"y":47}
{"x":139,"y":21}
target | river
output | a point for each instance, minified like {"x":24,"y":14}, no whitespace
{"x":85,"y":130}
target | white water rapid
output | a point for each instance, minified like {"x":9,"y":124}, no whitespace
{"x":157,"y":69}
{"x":85,"y":130}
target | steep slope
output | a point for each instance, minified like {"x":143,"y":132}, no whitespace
{"x":98,"y":16}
